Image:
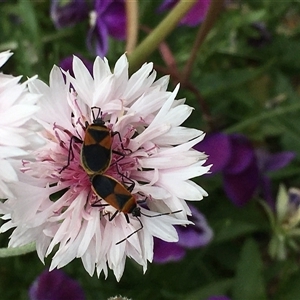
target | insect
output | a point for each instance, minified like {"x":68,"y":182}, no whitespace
{"x":96,"y":151}
{"x":120,"y":197}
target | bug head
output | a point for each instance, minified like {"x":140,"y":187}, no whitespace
{"x":136,"y":212}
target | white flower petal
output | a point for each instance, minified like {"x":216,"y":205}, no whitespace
{"x":138,"y":82}
{"x":4,"y":56}
{"x":18,"y":114}
{"x":148,"y":134}
{"x":11,"y":151}
{"x":85,"y":85}
{"x":177,"y":135}
{"x":7,"y":171}
{"x":100,"y":70}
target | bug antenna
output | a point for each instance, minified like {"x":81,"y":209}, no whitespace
{"x":99,"y":113}
{"x":132,"y":233}
{"x":163,"y":214}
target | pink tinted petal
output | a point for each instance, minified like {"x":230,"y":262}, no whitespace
{"x":115,"y":19}
{"x":197,"y":13}
{"x":218,"y":148}
{"x":166,"y":252}
{"x":242,"y":154}
{"x":55,"y":285}
{"x":241,"y":187}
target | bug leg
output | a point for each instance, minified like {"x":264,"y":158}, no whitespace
{"x":129,"y":182}
{"x":98,"y":204}
{"x":142,"y":201}
{"x":131,"y":186}
{"x":162,"y":214}
{"x":131,"y":234}
{"x":120,"y":139}
{"x":73,"y":139}
{"x":113,"y":216}
{"x":121,"y":154}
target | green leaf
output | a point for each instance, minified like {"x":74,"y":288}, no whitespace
{"x":291,"y":289}
{"x":249,"y":282}
{"x":230,"y":229}
{"x":265,"y":116}
{"x":220,"y":287}
{"x":29,"y":17}
{"x":218,"y":82}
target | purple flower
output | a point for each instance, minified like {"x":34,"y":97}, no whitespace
{"x":294,"y":199}
{"x":271,"y":162}
{"x":244,"y":169}
{"x":190,"y":237}
{"x":68,"y":14}
{"x":108,"y":19}
{"x":195,"y":16}
{"x":67,"y":64}
{"x":219,"y":297}
{"x":55,"y":285}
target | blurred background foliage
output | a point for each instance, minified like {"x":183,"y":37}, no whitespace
{"x":247,"y":73}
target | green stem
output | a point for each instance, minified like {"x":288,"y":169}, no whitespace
{"x":151,"y":42}
{"x":132,"y":12}
{"x":8,"y":252}
{"x":264,"y":116}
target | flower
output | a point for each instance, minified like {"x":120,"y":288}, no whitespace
{"x":67,"y":63}
{"x":244,"y":168}
{"x":189,"y":238}
{"x":17,"y":135}
{"x":218,"y":297}
{"x":68,"y":13}
{"x":107,"y":19}
{"x":285,"y":222}
{"x":196,"y":14}
{"x":55,"y":285}
{"x":56,"y":206}
{"x":268,"y":162}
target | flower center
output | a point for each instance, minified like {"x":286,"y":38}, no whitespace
{"x":93,"y":149}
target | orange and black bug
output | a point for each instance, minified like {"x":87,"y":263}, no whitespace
{"x":96,"y":151}
{"x":120,"y":197}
